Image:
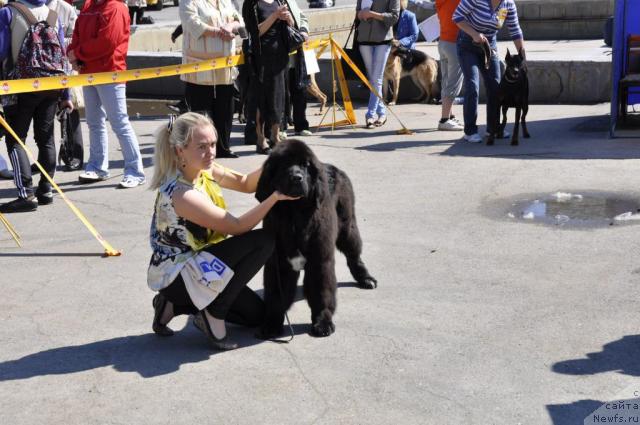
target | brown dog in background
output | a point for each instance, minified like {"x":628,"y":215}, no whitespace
{"x":315,"y":91}
{"x":422,"y":69}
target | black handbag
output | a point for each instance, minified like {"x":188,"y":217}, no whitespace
{"x":293,"y":38}
{"x":354,"y":54}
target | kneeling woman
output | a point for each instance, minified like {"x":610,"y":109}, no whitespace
{"x":194,"y":266}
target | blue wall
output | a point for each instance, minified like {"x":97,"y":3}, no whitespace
{"x":626,"y":21}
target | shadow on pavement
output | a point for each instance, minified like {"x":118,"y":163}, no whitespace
{"x":617,"y":356}
{"x":572,"y":413}
{"x":147,"y":355}
{"x":563,"y":138}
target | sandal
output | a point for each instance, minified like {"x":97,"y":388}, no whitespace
{"x":218,"y":343}
{"x":159,"y":304}
{"x":381,"y":121}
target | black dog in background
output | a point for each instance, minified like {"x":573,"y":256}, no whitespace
{"x":513,"y":92}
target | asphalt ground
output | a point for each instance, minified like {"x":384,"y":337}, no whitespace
{"x":478,"y":318}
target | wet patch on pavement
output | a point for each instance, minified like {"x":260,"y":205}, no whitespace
{"x":575,"y":209}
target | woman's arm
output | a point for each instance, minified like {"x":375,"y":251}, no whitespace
{"x":230,"y":179}
{"x":193,"y":23}
{"x":264,"y":26}
{"x":466,"y":27}
{"x":390,"y":17}
{"x":411,"y":37}
{"x":197,"y":208}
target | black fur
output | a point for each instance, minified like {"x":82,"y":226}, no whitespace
{"x":410,"y":57}
{"x":513,"y":92}
{"x":312,"y":226}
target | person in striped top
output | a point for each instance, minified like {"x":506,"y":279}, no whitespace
{"x":479,"y":22}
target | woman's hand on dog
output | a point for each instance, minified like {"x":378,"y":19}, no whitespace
{"x":282,"y":197}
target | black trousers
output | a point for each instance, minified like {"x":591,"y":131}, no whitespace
{"x":296,"y":101}
{"x":138,"y":12}
{"x":217,"y":103}
{"x":245,"y":254}
{"x":41,"y":106}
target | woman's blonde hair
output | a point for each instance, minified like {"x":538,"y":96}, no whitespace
{"x":168,"y":138}
{"x":404,"y":4}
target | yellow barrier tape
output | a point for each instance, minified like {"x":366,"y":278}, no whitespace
{"x":109,"y":251}
{"x":66,"y":81}
{"x":344,"y":89}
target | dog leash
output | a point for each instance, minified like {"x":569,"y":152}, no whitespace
{"x":286,"y":316}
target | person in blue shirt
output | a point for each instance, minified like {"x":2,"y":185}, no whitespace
{"x":406,"y":30}
{"x":479,"y":22}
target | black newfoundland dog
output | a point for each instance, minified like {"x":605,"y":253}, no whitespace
{"x":306,"y":232}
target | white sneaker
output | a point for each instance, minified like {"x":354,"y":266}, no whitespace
{"x":450,"y":125}
{"x":91,"y":177}
{"x":283,"y":135}
{"x":473,"y":138}
{"x":304,"y":133}
{"x":129,"y":181}
{"x":505,"y":135}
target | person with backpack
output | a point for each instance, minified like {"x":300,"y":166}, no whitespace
{"x":32,"y":46}
{"x":100,"y":43}
{"x":71,"y":143}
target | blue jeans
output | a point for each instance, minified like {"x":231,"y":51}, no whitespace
{"x":109,"y":101}
{"x":375,"y":59}
{"x":471,"y":59}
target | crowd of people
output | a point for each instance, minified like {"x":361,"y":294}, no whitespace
{"x":190,"y":223}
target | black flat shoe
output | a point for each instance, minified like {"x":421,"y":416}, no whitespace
{"x":263,"y":151}
{"x":159,"y":304}
{"x":226,"y":154}
{"x":217,"y":343}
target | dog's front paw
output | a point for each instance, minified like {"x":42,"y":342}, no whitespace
{"x":269,"y":331}
{"x":514,"y":142}
{"x":368,"y":283}
{"x":323,"y":328}
{"x":526,"y":135}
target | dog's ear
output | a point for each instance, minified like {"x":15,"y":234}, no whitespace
{"x":265,"y":185}
{"x":508,"y":54}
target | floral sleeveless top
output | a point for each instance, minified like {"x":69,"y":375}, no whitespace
{"x":175,"y":240}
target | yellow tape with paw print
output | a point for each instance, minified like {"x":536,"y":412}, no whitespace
{"x":55,"y":83}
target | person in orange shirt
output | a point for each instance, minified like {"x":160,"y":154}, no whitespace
{"x":449,"y":65}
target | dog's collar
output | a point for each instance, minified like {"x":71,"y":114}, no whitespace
{"x":506,"y":77}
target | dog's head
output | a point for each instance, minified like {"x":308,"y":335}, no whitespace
{"x":399,"y":51}
{"x":293,"y":169}
{"x":515,"y":67}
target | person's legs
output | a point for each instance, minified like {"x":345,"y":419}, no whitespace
{"x":491,"y":79}
{"x":114,"y":100}
{"x":98,"y":141}
{"x":298,"y":103}
{"x":469,"y":57}
{"x":222,"y":110}
{"x":43,"y":119}
{"x":247,"y":310}
{"x":380,"y":55}
{"x":245,"y":254}
{"x":367,"y":57}
{"x":19,"y":118}
{"x":198,"y":98}
{"x":451,"y":76}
